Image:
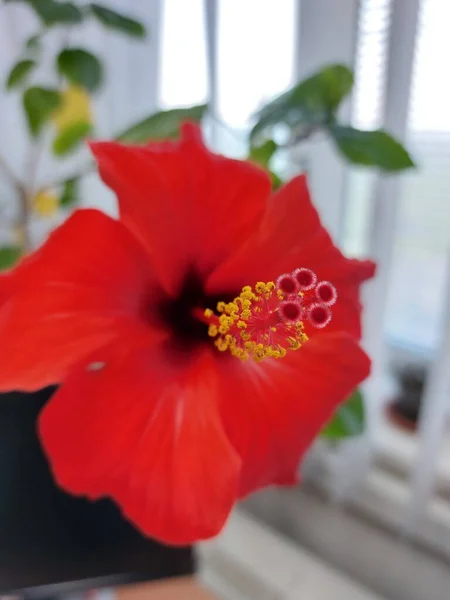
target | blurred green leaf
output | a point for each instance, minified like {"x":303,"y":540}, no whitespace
{"x":9,"y":255}
{"x":371,"y":148}
{"x":19,"y":73}
{"x":349,"y":419}
{"x":276,"y":180}
{"x":39,"y":104}
{"x":52,"y":12}
{"x":70,"y":137}
{"x":309,"y":104}
{"x":262,"y":154}
{"x":162,"y":125}
{"x":80,"y":67}
{"x":33,"y":43}
{"x":115,"y":20}
{"x":70,"y":193}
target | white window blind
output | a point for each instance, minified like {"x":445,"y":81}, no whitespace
{"x":416,"y":298}
{"x":370,"y":63}
{"x":401,"y":53}
{"x":367,"y":113}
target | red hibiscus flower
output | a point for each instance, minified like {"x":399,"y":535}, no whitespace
{"x":189,"y":336}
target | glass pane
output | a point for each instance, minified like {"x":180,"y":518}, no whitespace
{"x":183,"y":68}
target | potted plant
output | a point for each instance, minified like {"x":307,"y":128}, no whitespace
{"x":404,"y":409}
{"x":308,"y":108}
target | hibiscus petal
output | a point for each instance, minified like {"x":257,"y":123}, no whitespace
{"x":5,"y":288}
{"x":85,"y":286}
{"x":273,"y":410}
{"x":189,"y":206}
{"x":132,"y":426}
{"x":290,"y":236}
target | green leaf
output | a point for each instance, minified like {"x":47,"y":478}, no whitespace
{"x":80,"y":67}
{"x":70,"y":137}
{"x":52,"y":13}
{"x":19,"y":73}
{"x":33,"y":43}
{"x":162,"y":125}
{"x":70,"y":193}
{"x":261,"y":155}
{"x":9,"y":255}
{"x":371,"y":148}
{"x":349,"y":419}
{"x":276,"y":180}
{"x":115,"y":20}
{"x":40,"y":103}
{"x":309,"y":104}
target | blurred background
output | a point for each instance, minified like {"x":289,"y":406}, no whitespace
{"x":376,"y":506}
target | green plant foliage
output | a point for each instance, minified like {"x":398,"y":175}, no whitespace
{"x":9,"y":255}
{"x":311,"y":103}
{"x":262,"y":154}
{"x":371,"y":148}
{"x":19,"y":73}
{"x":40,"y":103}
{"x":349,"y":419}
{"x":52,"y":12}
{"x":33,"y":43}
{"x":162,"y":125}
{"x":70,"y":193}
{"x":115,"y":20}
{"x":80,"y":67}
{"x":68,"y":140}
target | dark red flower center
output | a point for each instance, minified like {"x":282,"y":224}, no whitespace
{"x":178,"y":314}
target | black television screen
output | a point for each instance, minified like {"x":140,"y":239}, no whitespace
{"x":48,"y":538}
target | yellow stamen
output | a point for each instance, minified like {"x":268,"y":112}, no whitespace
{"x":258,"y":323}
{"x":213,"y":330}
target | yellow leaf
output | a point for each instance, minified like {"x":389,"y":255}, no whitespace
{"x":75,"y":107}
{"x":45,"y":203}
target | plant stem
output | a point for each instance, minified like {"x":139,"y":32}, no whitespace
{"x":22,"y":195}
{"x":23,"y":221}
{"x":4,"y":166}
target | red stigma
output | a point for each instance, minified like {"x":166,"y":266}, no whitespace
{"x":290,"y":311}
{"x":305,"y":278}
{"x":319,"y":315}
{"x":287,"y":284}
{"x":326,"y":293}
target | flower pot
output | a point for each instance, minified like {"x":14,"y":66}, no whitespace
{"x":404,"y":410}
{"x":48,"y":537}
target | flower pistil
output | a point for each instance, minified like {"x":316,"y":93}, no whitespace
{"x":267,"y":320}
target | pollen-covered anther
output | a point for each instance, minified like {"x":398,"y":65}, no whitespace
{"x":266,"y":321}
{"x":220,"y":307}
{"x":213,"y":330}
